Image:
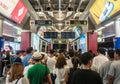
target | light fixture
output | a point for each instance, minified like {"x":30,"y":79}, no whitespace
{"x":109,"y":24}
{"x":6,"y":22}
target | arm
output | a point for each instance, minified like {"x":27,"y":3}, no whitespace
{"x":110,"y":79}
{"x":66,"y":75}
{"x":49,"y":79}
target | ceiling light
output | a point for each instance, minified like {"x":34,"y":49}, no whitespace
{"x":99,"y":29}
{"x":109,"y":24}
{"x":8,"y":23}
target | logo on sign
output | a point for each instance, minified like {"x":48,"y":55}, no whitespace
{"x":20,"y":12}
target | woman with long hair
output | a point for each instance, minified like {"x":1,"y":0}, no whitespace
{"x":15,"y":75}
{"x":61,"y":70}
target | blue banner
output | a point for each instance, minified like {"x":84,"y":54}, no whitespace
{"x":1,"y":43}
{"x":117,"y":42}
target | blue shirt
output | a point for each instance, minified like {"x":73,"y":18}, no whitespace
{"x":26,"y":59}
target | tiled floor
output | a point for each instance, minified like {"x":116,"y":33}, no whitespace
{"x":2,"y":80}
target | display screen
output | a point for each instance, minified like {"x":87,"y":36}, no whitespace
{"x":101,"y":10}
{"x":67,"y":35}
{"x":83,"y":43}
{"x":50,"y":35}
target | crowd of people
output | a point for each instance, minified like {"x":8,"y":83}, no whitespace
{"x":63,"y":67}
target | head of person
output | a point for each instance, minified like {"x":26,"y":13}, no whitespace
{"x":117,"y":54}
{"x":16,"y":71}
{"x":101,"y":51}
{"x":29,"y":50}
{"x":18,"y":53}
{"x":75,"y":62}
{"x":86,"y":58}
{"x":71,"y":53}
{"x":110,"y":54}
{"x":23,"y":53}
{"x":61,"y":62}
{"x":7,"y":53}
{"x":37,"y":57}
{"x":52,"y":52}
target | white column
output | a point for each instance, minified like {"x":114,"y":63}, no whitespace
{"x":117,"y":28}
{"x":117,"y":34}
{"x":46,"y":47}
{"x":41,"y":46}
{"x":1,"y":27}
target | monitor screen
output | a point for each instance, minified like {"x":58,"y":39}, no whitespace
{"x":50,"y":35}
{"x":101,"y":10}
{"x":67,"y":35}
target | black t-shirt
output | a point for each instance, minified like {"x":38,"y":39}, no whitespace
{"x":83,"y":76}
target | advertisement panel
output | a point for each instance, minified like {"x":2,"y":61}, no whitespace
{"x":19,"y":12}
{"x":83,"y":43}
{"x":101,"y":10}
{"x":13,"y":9}
{"x":7,"y":6}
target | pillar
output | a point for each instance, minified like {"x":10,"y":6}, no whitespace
{"x":117,"y":34}
{"x":92,"y":42}
{"x":25,"y":40}
{"x":1,"y":35}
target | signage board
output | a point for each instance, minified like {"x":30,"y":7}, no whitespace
{"x":13,"y":9}
{"x":78,"y":22}
{"x":43,"y":22}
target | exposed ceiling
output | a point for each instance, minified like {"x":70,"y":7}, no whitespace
{"x":59,"y":10}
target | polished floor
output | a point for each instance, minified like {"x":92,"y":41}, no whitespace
{"x":2,"y":80}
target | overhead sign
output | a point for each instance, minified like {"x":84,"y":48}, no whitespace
{"x":78,"y":22}
{"x":43,"y":22}
{"x":13,"y":9}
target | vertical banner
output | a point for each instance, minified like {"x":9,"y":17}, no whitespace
{"x":1,"y":43}
{"x":117,"y":42}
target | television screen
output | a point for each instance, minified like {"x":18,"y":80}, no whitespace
{"x":67,"y":35}
{"x":50,"y":34}
{"x":101,"y":10}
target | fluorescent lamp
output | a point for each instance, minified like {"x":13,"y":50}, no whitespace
{"x":8,"y":23}
{"x":109,"y":24}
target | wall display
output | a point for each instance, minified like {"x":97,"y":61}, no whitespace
{"x":13,"y":9}
{"x":14,"y":45}
{"x":101,"y":10}
{"x":67,"y":35}
{"x":50,"y":35}
{"x":78,"y":31}
{"x":83,"y":43}
{"x":35,"y":42}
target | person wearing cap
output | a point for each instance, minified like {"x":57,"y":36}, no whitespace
{"x":38,"y":71}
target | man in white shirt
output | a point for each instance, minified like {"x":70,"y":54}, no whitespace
{"x":99,"y":60}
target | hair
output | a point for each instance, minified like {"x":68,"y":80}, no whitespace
{"x":18,"y":52}
{"x":71,"y":53}
{"x":16,"y":71}
{"x":86,"y":57}
{"x":61,"y":61}
{"x":75,"y":62}
{"x":52,"y":51}
{"x":111,"y":53}
{"x":29,"y":50}
{"x":22,"y":51}
{"x":7,"y":53}
{"x":101,"y":51}
{"x":117,"y":51}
